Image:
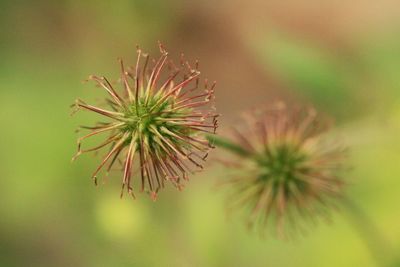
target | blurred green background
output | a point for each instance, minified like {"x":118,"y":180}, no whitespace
{"x":342,"y":56}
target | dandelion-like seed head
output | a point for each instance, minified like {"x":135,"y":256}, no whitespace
{"x":156,"y":125}
{"x":288,"y":169}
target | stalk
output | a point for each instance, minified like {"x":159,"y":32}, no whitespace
{"x":377,"y":244}
{"x":227,"y":145}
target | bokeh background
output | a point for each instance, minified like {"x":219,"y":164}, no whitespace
{"x":342,"y":56}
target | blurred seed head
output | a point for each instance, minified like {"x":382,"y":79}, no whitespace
{"x":288,"y":170}
{"x":155,"y":125}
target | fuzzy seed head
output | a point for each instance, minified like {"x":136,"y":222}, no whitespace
{"x":289,"y":173}
{"x":156,"y":124}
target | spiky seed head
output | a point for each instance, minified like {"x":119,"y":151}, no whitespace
{"x":156,"y":124}
{"x":288,"y":171}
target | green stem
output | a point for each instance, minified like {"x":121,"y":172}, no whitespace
{"x":376,"y":242}
{"x":228,"y":145}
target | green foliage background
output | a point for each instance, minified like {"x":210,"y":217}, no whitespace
{"x":52,"y":215}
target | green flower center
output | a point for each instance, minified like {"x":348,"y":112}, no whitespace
{"x":283,"y":164}
{"x":150,"y":118}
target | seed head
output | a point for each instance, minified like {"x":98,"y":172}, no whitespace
{"x":288,"y":170}
{"x":156,"y":124}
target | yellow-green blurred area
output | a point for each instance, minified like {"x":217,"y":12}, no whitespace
{"x":341,"y":56}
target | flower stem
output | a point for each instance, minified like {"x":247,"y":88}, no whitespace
{"x":228,"y":145}
{"x":376,"y":242}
